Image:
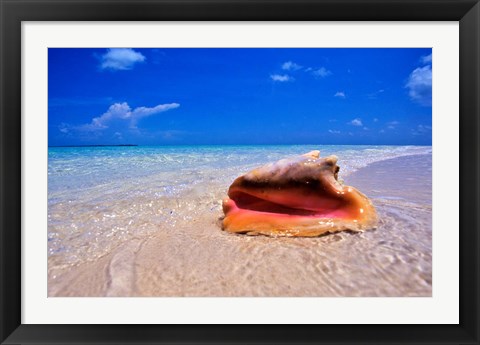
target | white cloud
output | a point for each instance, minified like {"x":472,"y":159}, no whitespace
{"x":421,"y":130}
{"x":122,"y":111}
{"x":382,"y":131}
{"x":321,"y":72}
{"x":426,"y":59}
{"x":340,"y":94}
{"x":356,"y":122}
{"x":281,"y":78}
{"x":420,"y":85}
{"x":375,"y":120}
{"x":365,"y":128}
{"x":291,"y":66}
{"x":120,"y":59}
{"x":64,"y":128}
{"x":392,"y":124}
{"x":333,"y":131}
{"x":374,"y":95}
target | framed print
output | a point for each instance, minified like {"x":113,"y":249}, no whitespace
{"x":215,"y":172}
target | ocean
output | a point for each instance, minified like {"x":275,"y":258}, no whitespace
{"x":146,"y":221}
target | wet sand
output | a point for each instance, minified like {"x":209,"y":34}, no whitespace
{"x":196,"y":258}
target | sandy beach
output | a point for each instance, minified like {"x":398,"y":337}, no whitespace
{"x":194,"y":257}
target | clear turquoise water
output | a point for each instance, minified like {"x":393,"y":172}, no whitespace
{"x":102,"y":197}
{"x":77,"y":168}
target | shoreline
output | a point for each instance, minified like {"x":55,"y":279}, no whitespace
{"x":197,"y":258}
{"x":99,"y":145}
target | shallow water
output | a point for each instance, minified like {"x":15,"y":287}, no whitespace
{"x":144,"y":221}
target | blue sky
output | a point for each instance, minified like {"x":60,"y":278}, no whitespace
{"x":239,"y":96}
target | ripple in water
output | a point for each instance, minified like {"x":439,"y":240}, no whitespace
{"x":101,"y":199}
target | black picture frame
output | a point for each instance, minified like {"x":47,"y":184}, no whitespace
{"x":13,"y":12}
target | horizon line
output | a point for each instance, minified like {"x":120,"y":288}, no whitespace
{"x":309,"y":144}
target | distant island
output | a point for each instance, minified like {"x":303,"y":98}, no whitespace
{"x":93,"y":145}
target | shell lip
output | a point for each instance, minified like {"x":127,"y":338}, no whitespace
{"x":321,"y":207}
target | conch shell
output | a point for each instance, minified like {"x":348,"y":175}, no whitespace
{"x":298,"y":196}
